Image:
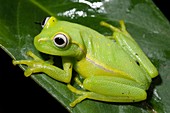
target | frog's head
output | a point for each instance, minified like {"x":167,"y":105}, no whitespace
{"x":60,"y":38}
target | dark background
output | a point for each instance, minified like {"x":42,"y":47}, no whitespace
{"x":19,"y":94}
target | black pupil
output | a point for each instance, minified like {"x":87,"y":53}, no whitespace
{"x":59,"y":41}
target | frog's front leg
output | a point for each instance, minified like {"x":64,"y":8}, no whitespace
{"x":109,"y":89}
{"x":38,"y":65}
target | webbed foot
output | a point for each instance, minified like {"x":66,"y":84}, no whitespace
{"x":35,"y":65}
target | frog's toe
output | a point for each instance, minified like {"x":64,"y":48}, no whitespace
{"x":73,"y":89}
{"x":78,"y":100}
{"x":82,"y":95}
{"x":15,"y":62}
{"x":28,"y":72}
{"x":102,"y":23}
{"x":25,"y":62}
{"x":31,"y":70}
{"x":31,"y":54}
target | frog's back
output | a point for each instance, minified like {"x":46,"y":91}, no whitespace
{"x":108,"y":56}
{"x":104,"y":56}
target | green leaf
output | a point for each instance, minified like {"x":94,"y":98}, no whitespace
{"x":143,"y":20}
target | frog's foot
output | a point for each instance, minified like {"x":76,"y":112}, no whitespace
{"x":34,"y":66}
{"x":115,"y":29}
{"x":84,"y":95}
{"x":50,"y":61}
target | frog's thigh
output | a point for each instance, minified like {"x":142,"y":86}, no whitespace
{"x":106,"y":88}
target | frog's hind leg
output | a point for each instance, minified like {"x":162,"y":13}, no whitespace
{"x":109,"y":89}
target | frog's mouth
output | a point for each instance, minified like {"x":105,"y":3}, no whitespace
{"x":42,"y":39}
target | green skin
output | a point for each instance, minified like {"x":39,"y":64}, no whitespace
{"x":114,"y":68}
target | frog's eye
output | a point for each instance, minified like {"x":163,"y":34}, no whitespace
{"x":43,"y":23}
{"x":60,"y":40}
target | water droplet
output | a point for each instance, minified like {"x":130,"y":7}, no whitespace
{"x":98,"y":6}
{"x":73,"y":13}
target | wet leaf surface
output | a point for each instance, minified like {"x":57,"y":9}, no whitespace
{"x":143,"y":20}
